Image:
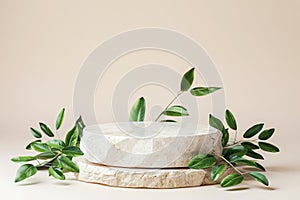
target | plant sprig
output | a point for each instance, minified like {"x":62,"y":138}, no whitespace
{"x":54,"y":154}
{"x":137,"y":112}
{"x":234,"y":152}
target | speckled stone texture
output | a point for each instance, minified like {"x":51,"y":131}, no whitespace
{"x":143,"y":178}
{"x":148,"y":145}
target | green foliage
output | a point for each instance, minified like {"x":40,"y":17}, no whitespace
{"x":138,"y":109}
{"x":25,"y":171}
{"x":176,"y":111}
{"x":234,"y":152}
{"x":217,"y":171}
{"x":202,"y":91}
{"x":202,"y":161}
{"x":232,"y":180}
{"x":60,"y":118}
{"x":55,"y":155}
{"x":187,"y":80}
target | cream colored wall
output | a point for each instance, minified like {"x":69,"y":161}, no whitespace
{"x":255,"y":45}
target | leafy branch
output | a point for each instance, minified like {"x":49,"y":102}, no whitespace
{"x":137,"y":112}
{"x":234,"y":152}
{"x":54,"y":154}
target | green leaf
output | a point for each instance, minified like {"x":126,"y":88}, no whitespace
{"x":259,"y":177}
{"x":266,"y":134}
{"x":235,"y":151}
{"x":68,"y":164}
{"x":231,"y":180}
{"x":22,"y":158}
{"x":137,"y":112}
{"x":167,"y":120}
{"x":46,"y":129}
{"x":268,"y":147}
{"x":249,"y":145}
{"x":25,"y":171}
{"x":230,"y":120}
{"x":202,"y":161}
{"x":35,"y":133}
{"x":56,"y":143}
{"x":45,"y":155}
{"x":225,"y":137}
{"x":217,"y":171}
{"x":216,"y":123}
{"x":244,"y":161}
{"x":40,"y":147}
{"x":72,"y":151}
{"x":176,"y":111}
{"x":187,"y":80}
{"x":201,"y":91}
{"x":255,"y":155}
{"x":253,"y":130}
{"x":28,"y":147}
{"x":60,"y":118}
{"x":80,"y":126}
{"x":72,"y":137}
{"x":56,"y":173}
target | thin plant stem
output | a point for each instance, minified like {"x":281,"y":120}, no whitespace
{"x":179,"y":93}
{"x":229,"y":163}
{"x":235,"y":136}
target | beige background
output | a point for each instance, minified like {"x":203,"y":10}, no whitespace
{"x":255,"y":45}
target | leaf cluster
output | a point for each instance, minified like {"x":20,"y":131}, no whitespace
{"x":237,"y":154}
{"x":137,"y":112}
{"x":53,"y":154}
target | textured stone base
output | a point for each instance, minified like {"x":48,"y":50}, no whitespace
{"x":143,"y":178}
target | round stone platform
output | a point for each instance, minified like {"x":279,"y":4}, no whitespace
{"x":148,"y":144}
{"x":143,"y":178}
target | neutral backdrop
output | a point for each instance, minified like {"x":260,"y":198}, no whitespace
{"x":255,"y":45}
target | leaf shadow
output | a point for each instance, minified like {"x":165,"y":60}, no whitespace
{"x":29,"y":183}
{"x":237,"y":189}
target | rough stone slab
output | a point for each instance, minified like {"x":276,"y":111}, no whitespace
{"x":143,"y":178}
{"x":148,"y":145}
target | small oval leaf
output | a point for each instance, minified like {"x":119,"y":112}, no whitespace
{"x":225,"y":137}
{"x":187,"y":80}
{"x":72,"y":151}
{"x":253,"y":154}
{"x":40,"y":147}
{"x":46,"y":129}
{"x":25,"y":171}
{"x":216,"y":123}
{"x":268,"y":147}
{"x":266,"y":134}
{"x":137,"y":112}
{"x":60,"y":118}
{"x":201,"y":91}
{"x":22,"y":158}
{"x":176,"y":111}
{"x":28,"y":147}
{"x":217,"y":171}
{"x":231,"y":180}
{"x":56,"y":173}
{"x":235,"y":151}
{"x":72,"y":137}
{"x":253,"y":130}
{"x":230,"y":120}
{"x":68,"y":164}
{"x":259,"y":177}
{"x":202,"y":161}
{"x":35,"y":133}
{"x":249,"y":145}
{"x":56,"y":143}
{"x":244,"y":161}
{"x":45,"y":155}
